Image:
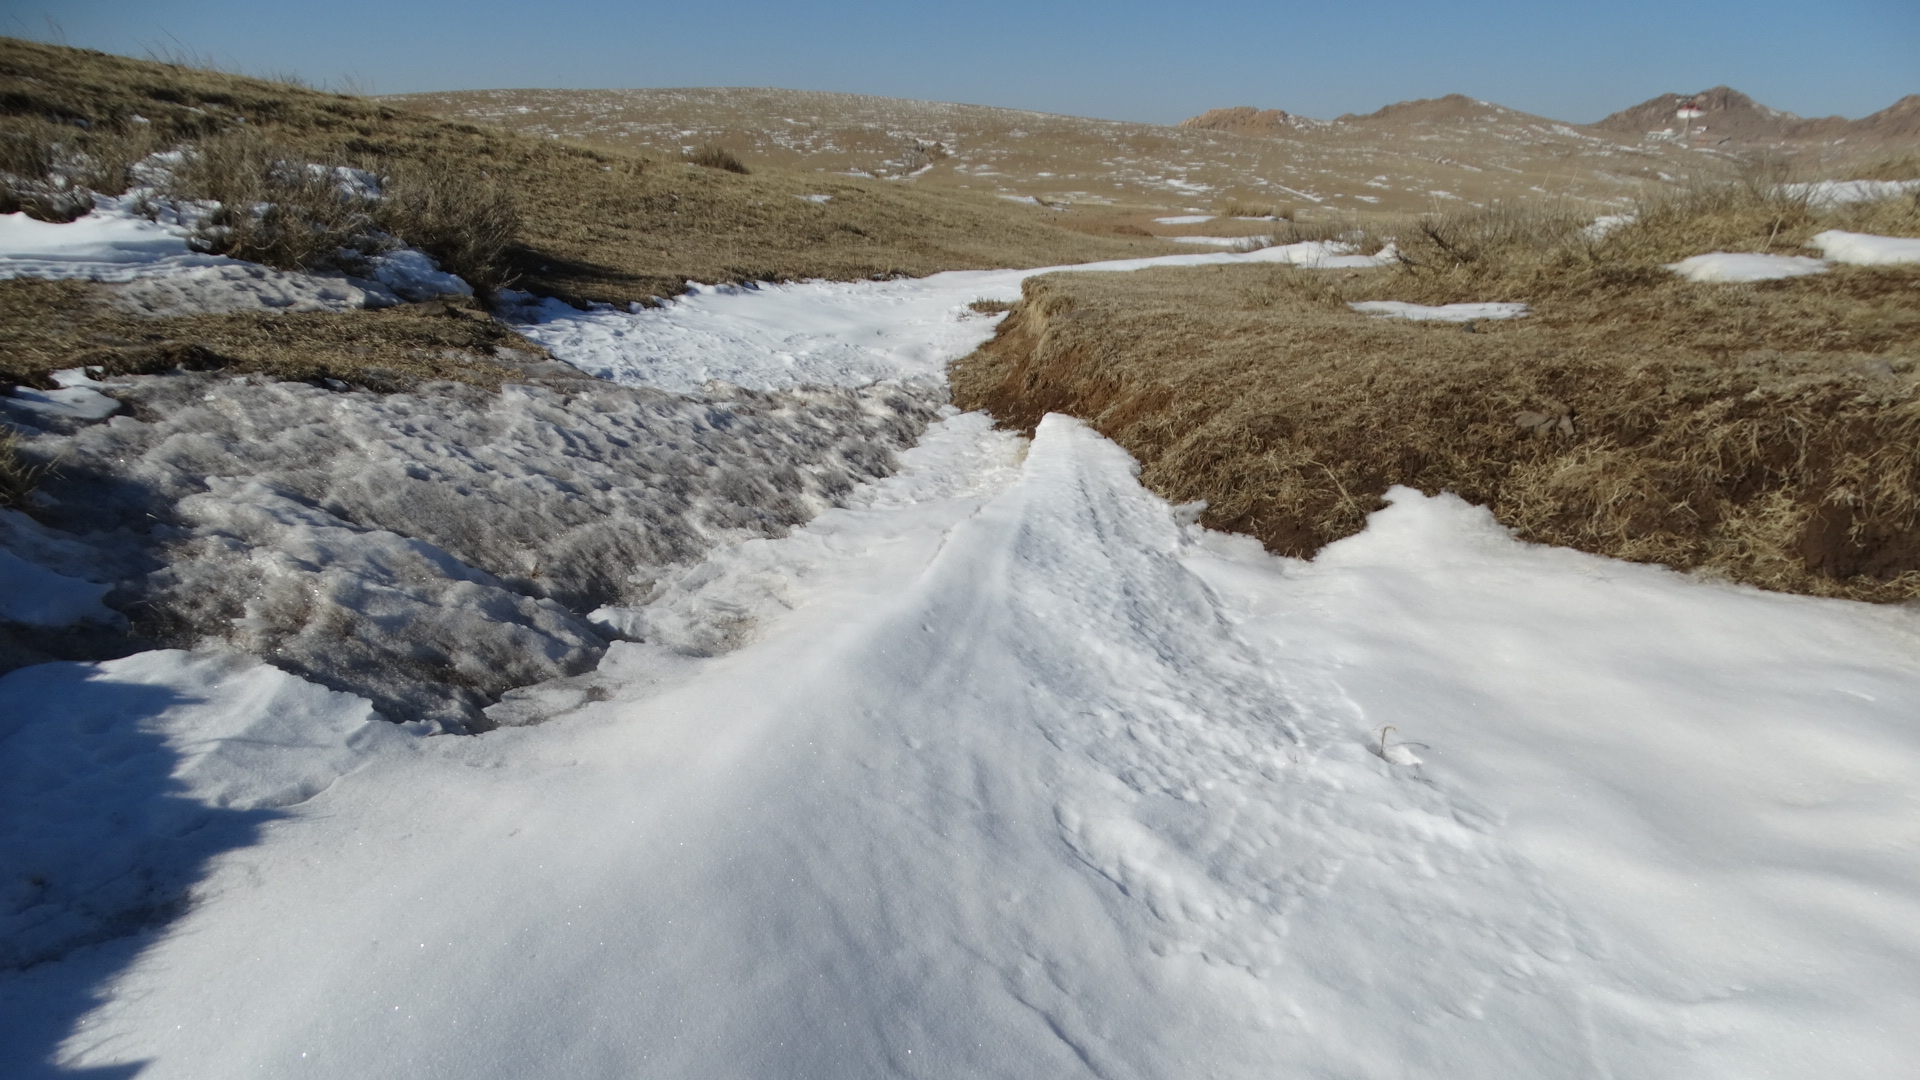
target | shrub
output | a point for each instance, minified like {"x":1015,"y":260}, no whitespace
{"x":718,"y":157}
{"x":273,"y":207}
{"x":467,"y":222}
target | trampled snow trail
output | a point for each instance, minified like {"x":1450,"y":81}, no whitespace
{"x":1017,"y":774}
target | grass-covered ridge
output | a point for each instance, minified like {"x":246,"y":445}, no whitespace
{"x":1769,"y":433}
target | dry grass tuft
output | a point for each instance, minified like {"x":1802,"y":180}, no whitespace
{"x":718,"y":157}
{"x":17,"y":477}
{"x":1768,"y":433}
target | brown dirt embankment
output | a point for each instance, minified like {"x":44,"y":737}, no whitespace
{"x":1767,"y":433}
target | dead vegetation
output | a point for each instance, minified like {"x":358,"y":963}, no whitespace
{"x":718,"y":157}
{"x":49,"y":325}
{"x":1768,"y":433}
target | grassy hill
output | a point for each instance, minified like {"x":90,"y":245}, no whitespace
{"x":592,"y":222}
{"x":1395,"y":161}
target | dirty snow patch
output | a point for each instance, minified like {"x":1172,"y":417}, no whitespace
{"x":1399,"y":309}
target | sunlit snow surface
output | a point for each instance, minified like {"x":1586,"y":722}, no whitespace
{"x":1025,"y":777}
{"x":777,"y":336}
{"x":1012,"y":772}
{"x":1740,"y":266}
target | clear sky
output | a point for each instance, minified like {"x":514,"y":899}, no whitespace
{"x":1121,"y":60}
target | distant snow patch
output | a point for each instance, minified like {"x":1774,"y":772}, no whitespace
{"x":1184,"y":219}
{"x":1866,"y":249}
{"x":1825,"y":193}
{"x":1739,"y":266}
{"x":1397,"y":309}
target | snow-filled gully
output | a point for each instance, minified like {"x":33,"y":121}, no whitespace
{"x":1019,"y":774}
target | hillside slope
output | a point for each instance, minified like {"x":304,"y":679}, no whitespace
{"x":1096,"y":165}
{"x":596,"y":223}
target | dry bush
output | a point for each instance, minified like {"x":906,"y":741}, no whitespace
{"x":17,"y":478}
{"x":1768,"y":433}
{"x":466,"y":221}
{"x":1234,"y":208}
{"x":52,"y":171}
{"x":275,"y":208}
{"x":718,"y":157}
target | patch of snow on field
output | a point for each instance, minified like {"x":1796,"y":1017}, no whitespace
{"x":1184,"y":219}
{"x":1024,"y":776}
{"x":1399,"y":309}
{"x":1827,"y":193}
{"x":1866,"y":249}
{"x":1223,"y":241}
{"x":1739,"y":266}
{"x":831,"y":333}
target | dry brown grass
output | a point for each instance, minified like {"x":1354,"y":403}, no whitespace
{"x":17,"y":477}
{"x":48,"y":325}
{"x":1769,"y":433}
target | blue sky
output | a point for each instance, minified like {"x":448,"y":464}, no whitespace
{"x":1123,"y":60}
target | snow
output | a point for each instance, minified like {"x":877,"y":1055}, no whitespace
{"x":1184,"y":219}
{"x":116,"y":779}
{"x":1600,"y":227}
{"x":815,"y":198}
{"x":1399,"y":309}
{"x":1222,"y":241}
{"x":1021,"y":775}
{"x":113,"y":243}
{"x":834,"y":333}
{"x":1731,"y":266}
{"x":431,"y":549}
{"x":36,"y":596}
{"x":1866,"y":249}
{"x":1827,"y":193}
{"x":73,"y":403}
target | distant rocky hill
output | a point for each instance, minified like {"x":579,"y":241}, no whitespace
{"x":1729,"y":118}
{"x":1247,"y":120}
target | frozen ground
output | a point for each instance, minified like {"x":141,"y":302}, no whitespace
{"x":1001,"y":767}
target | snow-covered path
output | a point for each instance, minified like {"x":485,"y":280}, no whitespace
{"x":1021,"y":775}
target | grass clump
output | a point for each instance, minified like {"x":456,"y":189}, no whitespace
{"x":18,"y":478}
{"x":718,"y":157}
{"x":52,"y":171}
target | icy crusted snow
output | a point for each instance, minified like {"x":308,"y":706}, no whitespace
{"x":433,"y":549}
{"x":1022,"y":776}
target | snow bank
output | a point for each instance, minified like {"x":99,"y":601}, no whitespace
{"x":1398,"y":309}
{"x":1866,"y":249}
{"x":1023,"y":776}
{"x":1730,"y":266}
{"x":431,"y":550}
{"x":118,"y":780}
